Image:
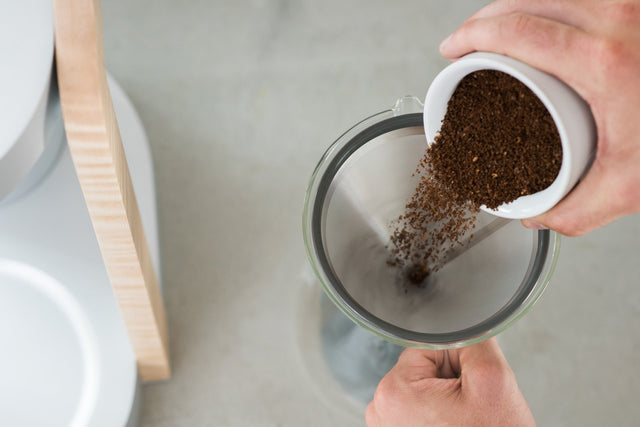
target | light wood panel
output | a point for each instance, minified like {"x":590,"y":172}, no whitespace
{"x":99,"y":159}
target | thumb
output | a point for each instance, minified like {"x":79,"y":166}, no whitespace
{"x":483,"y":363}
{"x":483,"y":353}
{"x":487,"y":380}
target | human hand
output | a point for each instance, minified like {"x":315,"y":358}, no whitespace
{"x":468,"y":386}
{"x":594,"y":47}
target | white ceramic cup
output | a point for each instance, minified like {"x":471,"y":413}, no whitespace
{"x":569,"y":111}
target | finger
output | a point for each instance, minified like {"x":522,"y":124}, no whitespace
{"x":371,"y":416}
{"x":448,"y":367}
{"x":484,"y":354}
{"x":405,"y":390}
{"x":577,"y":13}
{"x":598,"y":200}
{"x":417,"y":364}
{"x":483,"y":367}
{"x":548,"y":45}
{"x":488,"y":381}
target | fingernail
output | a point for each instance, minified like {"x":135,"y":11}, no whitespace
{"x":534,"y":225}
{"x":445,"y":42}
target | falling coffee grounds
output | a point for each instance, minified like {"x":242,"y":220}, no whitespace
{"x":497,"y":142}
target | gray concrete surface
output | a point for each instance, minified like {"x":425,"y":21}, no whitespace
{"x":240,"y":99}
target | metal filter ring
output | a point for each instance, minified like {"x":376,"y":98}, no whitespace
{"x":359,"y":313}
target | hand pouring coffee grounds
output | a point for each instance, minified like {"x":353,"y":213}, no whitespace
{"x":497,"y":142}
{"x":534,"y":184}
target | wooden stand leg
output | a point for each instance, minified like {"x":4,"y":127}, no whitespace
{"x":99,"y":159}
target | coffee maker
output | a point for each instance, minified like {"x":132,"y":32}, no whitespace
{"x":66,"y":358}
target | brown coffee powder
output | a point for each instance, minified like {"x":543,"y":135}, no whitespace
{"x":497,"y":142}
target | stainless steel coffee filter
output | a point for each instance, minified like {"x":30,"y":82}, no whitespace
{"x":358,"y":190}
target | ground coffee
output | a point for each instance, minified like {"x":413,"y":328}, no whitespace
{"x":497,"y":142}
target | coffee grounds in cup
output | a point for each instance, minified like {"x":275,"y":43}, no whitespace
{"x":497,"y":142}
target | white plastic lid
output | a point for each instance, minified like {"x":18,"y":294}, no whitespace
{"x":26,"y":46}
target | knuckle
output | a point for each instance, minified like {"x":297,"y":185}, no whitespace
{"x":625,"y":198}
{"x":466,"y":31}
{"x":623,"y":11}
{"x":370,"y":415}
{"x":610,"y":54}
{"x":631,"y":195}
{"x":386,"y":388}
{"x":382,"y":402}
{"x":496,"y":377}
{"x":519,"y":23}
{"x":537,"y":33}
{"x":493,"y":370}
